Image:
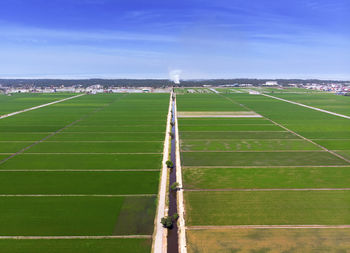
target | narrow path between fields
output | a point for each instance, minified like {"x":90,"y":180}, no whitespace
{"x":58,"y":131}
{"x":72,"y":237}
{"x":307,"y":106}
{"x":267,"y":167}
{"x":180,"y":196}
{"x":234,"y":131}
{"x":306,"y":139}
{"x":159,"y":244}
{"x":250,"y":151}
{"x":39,"y":141}
{"x":226,"y":139}
{"x":114,"y":132}
{"x":296,"y":134}
{"x":220,"y":116}
{"x":86,"y":153}
{"x":39,"y":106}
{"x":265,"y":226}
{"x":80,"y":170}
{"x":88,"y":141}
{"x":78,"y":195}
{"x":266,"y":190}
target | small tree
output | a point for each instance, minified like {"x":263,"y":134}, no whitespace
{"x":175,"y":216}
{"x":167,"y":222}
{"x":169,"y":164}
{"x":174,"y":186}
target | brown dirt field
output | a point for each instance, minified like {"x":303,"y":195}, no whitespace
{"x":268,"y":240}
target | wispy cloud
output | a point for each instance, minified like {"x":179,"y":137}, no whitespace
{"x":44,"y":35}
{"x":204,"y":38}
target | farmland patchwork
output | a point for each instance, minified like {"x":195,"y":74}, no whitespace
{"x":252,"y":183}
{"x":81,"y":175}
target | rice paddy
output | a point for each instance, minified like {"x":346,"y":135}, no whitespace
{"x":83,"y":175}
{"x":289,"y":168}
{"x":86,"y":167}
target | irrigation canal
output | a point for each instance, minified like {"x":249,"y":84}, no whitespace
{"x":173,"y":242}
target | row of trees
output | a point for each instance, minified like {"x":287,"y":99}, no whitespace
{"x":156,"y":83}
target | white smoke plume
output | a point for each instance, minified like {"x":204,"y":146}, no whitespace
{"x":175,"y":76}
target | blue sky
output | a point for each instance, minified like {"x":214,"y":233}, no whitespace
{"x":201,"y":38}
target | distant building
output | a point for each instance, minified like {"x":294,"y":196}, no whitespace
{"x":96,"y":86}
{"x":271,"y":83}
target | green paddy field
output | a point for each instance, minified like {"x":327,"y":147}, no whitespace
{"x":77,"y":246}
{"x":17,"y":102}
{"x":89,"y":166}
{"x":290,"y":167}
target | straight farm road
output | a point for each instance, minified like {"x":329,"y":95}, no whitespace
{"x":310,"y":107}
{"x":39,"y":106}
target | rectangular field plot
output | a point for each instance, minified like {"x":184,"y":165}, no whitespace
{"x":331,"y":128}
{"x":66,"y":182}
{"x":307,"y":122}
{"x":120,"y":122}
{"x":83,"y":162}
{"x":279,"y":111}
{"x":344,"y":153}
{"x":320,"y":134}
{"x":98,"y":136}
{"x":230,"y":128}
{"x":246,"y":145}
{"x":130,"y":116}
{"x":231,"y":159}
{"x":133,"y":128}
{"x":338,"y":104}
{"x":14,"y":121}
{"x":335,"y":144}
{"x":13,"y":147}
{"x":268,"y":240}
{"x":237,"y":135}
{"x":268,"y":208}
{"x":97,"y":147}
{"x":17,"y":102}
{"x":223,"y":121}
{"x":235,"y":114}
{"x":63,"y":113}
{"x":22,"y":136}
{"x":206,"y":102}
{"x":124,"y":245}
{"x":31,"y":129}
{"x":266,"y":178}
{"x":69,"y":216}
{"x":2,"y":157}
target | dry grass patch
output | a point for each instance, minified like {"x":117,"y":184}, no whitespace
{"x":268,"y":240}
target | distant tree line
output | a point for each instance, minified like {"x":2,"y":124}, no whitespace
{"x":85,"y":82}
{"x":157,"y":83}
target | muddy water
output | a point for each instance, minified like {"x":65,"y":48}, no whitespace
{"x":173,"y":246}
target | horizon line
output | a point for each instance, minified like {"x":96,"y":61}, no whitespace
{"x":161,"y":78}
